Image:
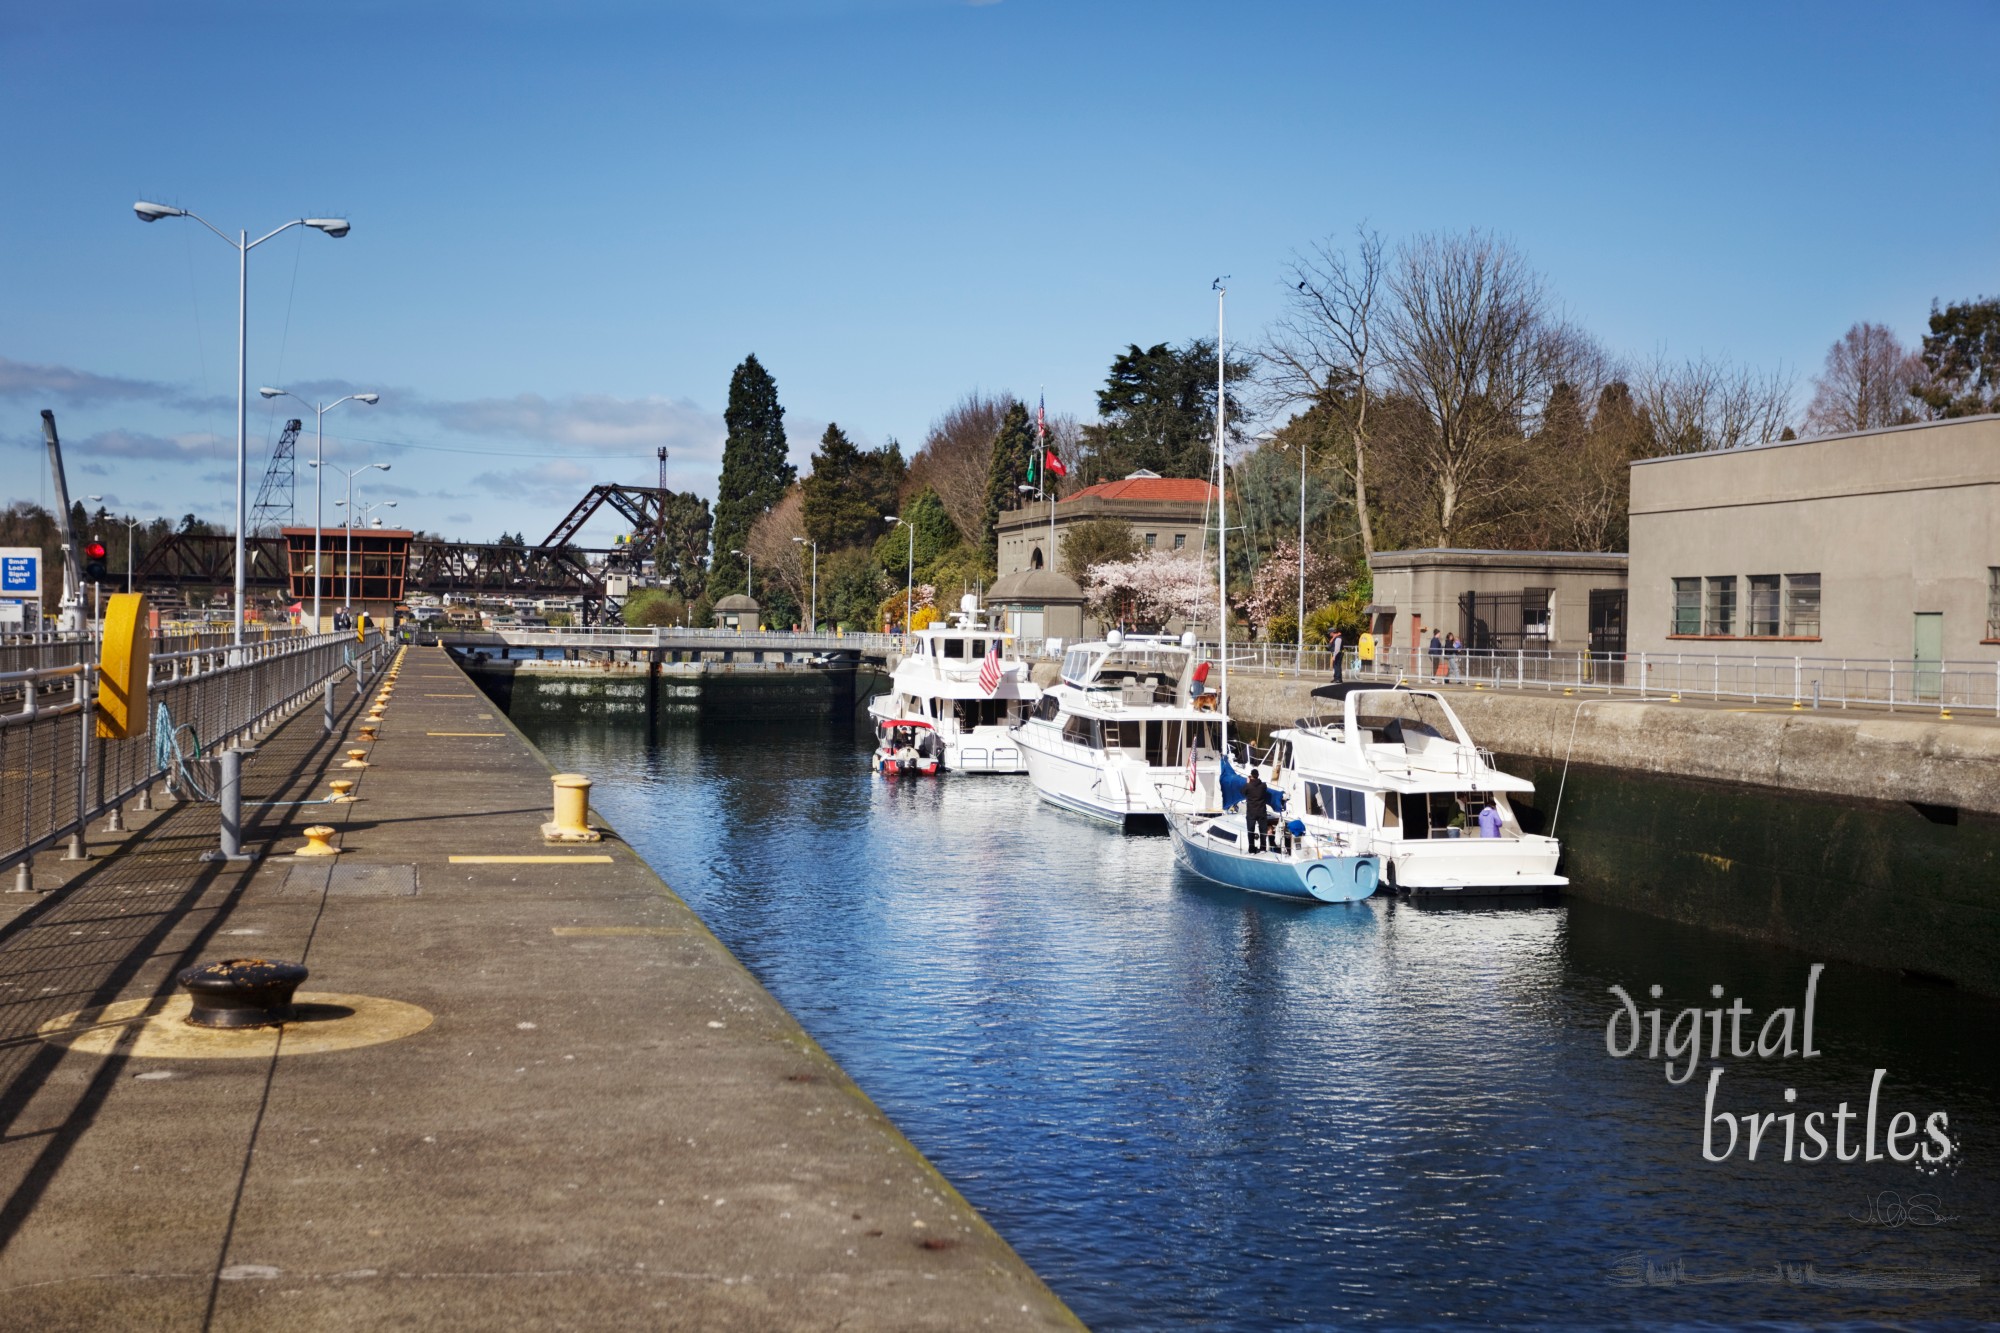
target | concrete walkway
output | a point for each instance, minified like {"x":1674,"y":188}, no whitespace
{"x":603,"y":1121}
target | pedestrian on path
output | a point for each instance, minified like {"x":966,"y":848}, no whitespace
{"x":1334,"y":644}
{"x":1436,"y":651}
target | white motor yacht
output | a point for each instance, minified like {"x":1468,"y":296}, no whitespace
{"x":1396,"y":763}
{"x":1126,"y":727}
{"x":939,"y":683}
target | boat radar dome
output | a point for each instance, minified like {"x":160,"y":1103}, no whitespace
{"x":969,"y":603}
{"x":1187,"y":639}
{"x":1114,"y":637}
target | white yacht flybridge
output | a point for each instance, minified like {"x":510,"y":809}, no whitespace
{"x":1125,"y":728}
{"x":962,"y":681}
{"x":1396,"y":764}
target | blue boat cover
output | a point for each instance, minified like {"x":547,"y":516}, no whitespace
{"x":1232,"y":783}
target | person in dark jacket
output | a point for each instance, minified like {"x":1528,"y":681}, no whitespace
{"x":1255,"y":811}
{"x":1437,"y":654}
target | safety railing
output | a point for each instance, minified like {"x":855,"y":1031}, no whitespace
{"x":1823,"y":682}
{"x":57,"y":775}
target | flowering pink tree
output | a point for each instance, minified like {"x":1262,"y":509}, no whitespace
{"x":1274,"y":589}
{"x":1155,"y":586}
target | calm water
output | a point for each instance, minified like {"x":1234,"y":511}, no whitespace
{"x":1189,"y":1108}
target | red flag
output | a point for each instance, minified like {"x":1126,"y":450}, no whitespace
{"x":1054,"y":464}
{"x":989,"y":670}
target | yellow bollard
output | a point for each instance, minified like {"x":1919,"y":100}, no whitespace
{"x":1944,"y":714}
{"x":343,"y":791}
{"x":368,"y":732}
{"x":572,"y":801}
{"x":317,"y":843}
{"x":356,"y":759}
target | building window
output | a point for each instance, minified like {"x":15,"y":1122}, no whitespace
{"x":1763,"y":606}
{"x":1180,"y":540}
{"x":1802,"y":605}
{"x":1721,"y":618}
{"x":1992,"y":602}
{"x":1535,"y":612}
{"x":1687,"y":606}
{"x":1152,"y":540}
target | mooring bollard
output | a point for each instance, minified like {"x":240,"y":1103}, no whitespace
{"x":318,"y":842}
{"x":242,"y":992}
{"x":229,"y":798}
{"x":572,"y":809}
{"x":343,"y":789}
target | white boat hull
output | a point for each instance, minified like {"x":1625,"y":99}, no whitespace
{"x":980,"y":750}
{"x":1090,"y":783}
{"x":1473,"y":865}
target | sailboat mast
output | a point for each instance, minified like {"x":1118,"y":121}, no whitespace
{"x":1221,"y":514}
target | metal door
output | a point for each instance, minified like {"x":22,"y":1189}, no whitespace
{"x":1930,"y":654}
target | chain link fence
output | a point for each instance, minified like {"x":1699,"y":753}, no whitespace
{"x":56,"y":774}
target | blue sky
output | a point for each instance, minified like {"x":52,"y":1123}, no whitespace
{"x":571,"y":222}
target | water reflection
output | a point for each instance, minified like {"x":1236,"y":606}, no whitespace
{"x":1187,"y":1107}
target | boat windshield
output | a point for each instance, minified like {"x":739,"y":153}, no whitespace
{"x":1156,"y":667}
{"x":1392,"y":717}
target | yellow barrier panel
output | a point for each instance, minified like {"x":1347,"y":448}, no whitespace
{"x":121,"y":670}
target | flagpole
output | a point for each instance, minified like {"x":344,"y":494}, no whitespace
{"x":1221,"y":518}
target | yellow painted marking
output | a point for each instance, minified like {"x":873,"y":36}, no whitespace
{"x":465,"y":733}
{"x":530,"y":860}
{"x":326,"y":1022}
{"x":620,"y":930}
{"x":451,"y":696}
{"x":1719,"y":862}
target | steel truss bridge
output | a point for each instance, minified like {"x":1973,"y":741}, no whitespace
{"x":551,"y":568}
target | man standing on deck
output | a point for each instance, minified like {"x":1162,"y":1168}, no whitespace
{"x":1254,"y":811}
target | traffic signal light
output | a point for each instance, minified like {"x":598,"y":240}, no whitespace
{"x":93,"y":569}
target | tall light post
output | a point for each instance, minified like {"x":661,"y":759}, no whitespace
{"x":812,"y":626}
{"x":1272,"y":435}
{"x":243,"y":245}
{"x":749,"y":572}
{"x":347,"y":598}
{"x":909,"y":572}
{"x":319,"y":477}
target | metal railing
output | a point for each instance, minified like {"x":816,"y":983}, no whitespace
{"x":1842,"y":682}
{"x":57,"y":775}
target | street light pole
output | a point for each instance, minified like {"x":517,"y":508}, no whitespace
{"x":347,"y":598}
{"x":749,"y":572}
{"x":909,"y":571}
{"x":319,"y":474}
{"x":335,"y":227}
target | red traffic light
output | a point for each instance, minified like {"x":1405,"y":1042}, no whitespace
{"x":95,"y":550}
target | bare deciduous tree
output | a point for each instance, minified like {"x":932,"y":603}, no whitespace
{"x":1471,"y":343}
{"x":956,"y":454}
{"x":1706,"y":404}
{"x":1865,"y":384}
{"x":771,"y":546}
{"x":1322,"y":352}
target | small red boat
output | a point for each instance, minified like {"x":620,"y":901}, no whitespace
{"x":907,"y":747}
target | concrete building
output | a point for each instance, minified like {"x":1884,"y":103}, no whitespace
{"x":1165,"y":513}
{"x":1540,"y":601}
{"x":737,"y":612}
{"x":1882,"y":544}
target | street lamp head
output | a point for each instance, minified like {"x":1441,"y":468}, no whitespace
{"x":892,"y":518}
{"x":268,"y":392}
{"x":388,"y":504}
{"x":384,"y":467}
{"x":154,"y":212}
{"x":331,"y":226}
{"x":367,"y":397}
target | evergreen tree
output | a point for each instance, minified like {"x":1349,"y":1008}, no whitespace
{"x":755,"y":472}
{"x":934,"y":536}
{"x":849,"y":491}
{"x":1961,"y":359}
{"x":1006,"y":468}
{"x":1158,"y":411}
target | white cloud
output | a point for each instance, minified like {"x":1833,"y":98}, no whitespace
{"x":21,"y":379}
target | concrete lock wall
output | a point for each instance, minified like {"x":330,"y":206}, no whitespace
{"x":1894,"y":522}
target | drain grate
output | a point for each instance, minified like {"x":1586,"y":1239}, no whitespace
{"x":359,"y":881}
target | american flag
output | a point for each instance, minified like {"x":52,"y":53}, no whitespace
{"x":989,"y":670}
{"x":1042,"y":417}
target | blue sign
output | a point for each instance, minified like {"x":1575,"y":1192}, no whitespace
{"x":20,"y":571}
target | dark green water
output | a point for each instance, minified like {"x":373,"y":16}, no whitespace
{"x":1189,"y":1108}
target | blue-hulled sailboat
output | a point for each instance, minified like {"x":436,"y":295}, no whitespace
{"x":1311,"y":861}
